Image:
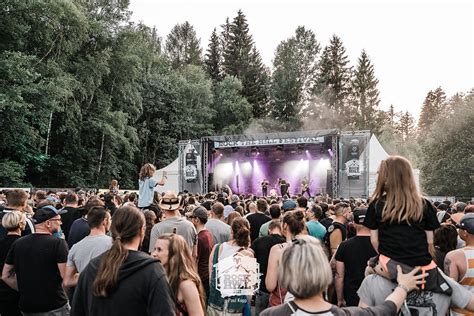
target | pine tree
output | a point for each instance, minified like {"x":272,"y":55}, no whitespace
{"x":213,"y":58}
{"x":256,"y":84}
{"x":238,"y":46}
{"x":365,"y":107}
{"x":391,"y":116}
{"x":242,"y":60}
{"x":434,"y":105}
{"x":333,"y":83}
{"x":293,"y":77}
{"x":183,"y":46}
{"x":405,"y":126}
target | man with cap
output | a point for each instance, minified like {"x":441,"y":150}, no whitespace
{"x":205,"y":243}
{"x":459,"y":263}
{"x":173,"y":222}
{"x":351,"y":260}
{"x":288,"y":205}
{"x":36,"y":265}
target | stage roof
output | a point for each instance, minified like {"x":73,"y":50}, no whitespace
{"x":283,"y":138}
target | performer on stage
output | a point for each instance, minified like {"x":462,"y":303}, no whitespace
{"x":305,"y":187}
{"x":283,"y":186}
{"x":264,"y":185}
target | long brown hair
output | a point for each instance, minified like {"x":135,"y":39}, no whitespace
{"x":241,"y":231}
{"x":396,"y":183}
{"x":147,"y":171}
{"x":181,"y":266}
{"x":127,"y":223}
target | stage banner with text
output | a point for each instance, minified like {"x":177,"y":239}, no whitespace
{"x":354,"y":164}
{"x":190,"y":164}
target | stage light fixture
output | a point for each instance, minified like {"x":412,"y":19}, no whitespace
{"x":235,"y":149}
{"x":247,"y":153}
{"x":213,"y":150}
{"x":279,"y":147}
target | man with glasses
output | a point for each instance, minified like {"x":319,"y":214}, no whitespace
{"x":36,"y":264}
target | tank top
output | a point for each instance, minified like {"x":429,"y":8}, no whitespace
{"x":467,"y":280}
{"x":234,"y":304}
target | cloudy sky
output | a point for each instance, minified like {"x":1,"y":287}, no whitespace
{"x":415,"y":46}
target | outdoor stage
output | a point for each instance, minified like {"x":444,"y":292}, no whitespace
{"x":333,"y":162}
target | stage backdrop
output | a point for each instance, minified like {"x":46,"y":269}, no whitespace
{"x":354,"y":164}
{"x":190,"y":165}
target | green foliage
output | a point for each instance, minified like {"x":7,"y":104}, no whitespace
{"x":233,"y":112}
{"x":242,"y":60}
{"x":183,"y":46}
{"x":447,"y":160}
{"x":434,"y":105}
{"x":333,"y":86}
{"x":213,"y":58}
{"x":11,"y":173}
{"x":365,"y":107}
{"x":86,"y":96}
{"x":295,"y":66}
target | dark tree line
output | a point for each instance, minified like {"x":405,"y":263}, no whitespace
{"x":86,"y":95}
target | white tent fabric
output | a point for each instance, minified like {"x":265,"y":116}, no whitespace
{"x":376,"y":154}
{"x":172,"y":172}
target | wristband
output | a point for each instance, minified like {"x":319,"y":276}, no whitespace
{"x":403,"y":287}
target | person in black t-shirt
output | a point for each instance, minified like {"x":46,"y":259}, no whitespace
{"x":400,"y":219}
{"x":257,"y":219}
{"x":36,"y":264}
{"x":261,"y":246}
{"x":351,"y":260}
{"x":402,"y":224}
{"x":14,"y":222}
{"x":73,"y":213}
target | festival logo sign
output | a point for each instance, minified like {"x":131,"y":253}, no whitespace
{"x":237,"y":275}
{"x":191,"y":164}
{"x":353,"y":165}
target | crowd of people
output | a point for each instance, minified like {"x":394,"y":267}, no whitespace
{"x":84,"y":253}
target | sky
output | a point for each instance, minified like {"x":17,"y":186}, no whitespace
{"x":415,"y":46}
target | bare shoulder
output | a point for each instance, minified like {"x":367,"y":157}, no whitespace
{"x":456,"y":254}
{"x":278,"y":248}
{"x":187,"y":286}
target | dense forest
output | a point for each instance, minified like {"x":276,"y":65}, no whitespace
{"x":86,"y":95}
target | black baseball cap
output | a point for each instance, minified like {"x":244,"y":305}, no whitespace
{"x":47,"y":212}
{"x":467,"y":223}
{"x":359,"y":215}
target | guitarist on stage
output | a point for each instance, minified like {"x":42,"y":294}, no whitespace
{"x":305,"y":187}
